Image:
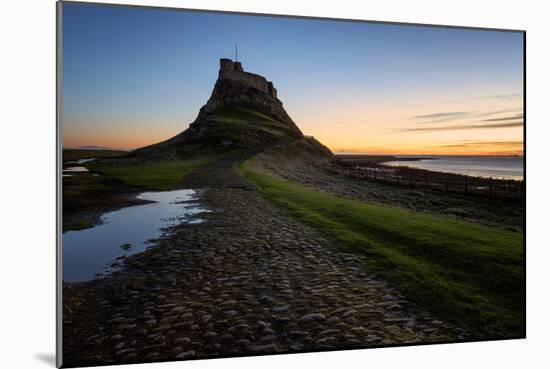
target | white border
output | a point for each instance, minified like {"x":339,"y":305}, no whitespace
{"x":28,"y":181}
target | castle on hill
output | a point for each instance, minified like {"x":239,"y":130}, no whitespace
{"x":233,"y":70}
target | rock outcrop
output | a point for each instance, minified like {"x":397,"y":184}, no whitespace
{"x":242,"y":113}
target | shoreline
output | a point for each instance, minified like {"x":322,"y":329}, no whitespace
{"x":375,"y":161}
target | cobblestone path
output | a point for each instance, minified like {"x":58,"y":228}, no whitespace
{"x":249,"y":280}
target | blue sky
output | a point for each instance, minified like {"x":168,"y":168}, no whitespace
{"x":134,"y":76}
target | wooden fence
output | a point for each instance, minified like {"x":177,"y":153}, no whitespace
{"x":487,"y":187}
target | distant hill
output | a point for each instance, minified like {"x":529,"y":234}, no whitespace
{"x":92,"y":147}
{"x":242,"y":114}
{"x":80,"y":153}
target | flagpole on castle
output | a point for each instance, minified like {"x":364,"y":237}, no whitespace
{"x":236,"y":59}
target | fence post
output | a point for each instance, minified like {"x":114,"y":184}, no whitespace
{"x":491,"y":187}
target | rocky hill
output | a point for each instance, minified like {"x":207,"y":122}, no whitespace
{"x":242,"y":114}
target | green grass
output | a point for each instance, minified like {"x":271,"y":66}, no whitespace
{"x":466,"y":273}
{"x":79,"y":185}
{"x":239,"y":118}
{"x":160,"y":175}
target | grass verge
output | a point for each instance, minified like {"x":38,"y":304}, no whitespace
{"x":469,"y":274}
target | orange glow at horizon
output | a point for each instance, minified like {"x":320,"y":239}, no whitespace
{"x":486,"y":126}
{"x":119,"y":136}
{"x":477,"y":149}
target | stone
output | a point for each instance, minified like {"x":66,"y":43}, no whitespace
{"x":359,"y":330}
{"x":325,"y":341}
{"x":228,"y":303}
{"x":296,"y":347}
{"x":373,"y":339}
{"x":125,"y":327}
{"x":312,"y":317}
{"x":332,"y":319}
{"x":186,"y":354}
{"x":152,"y":356}
{"x":397,"y":320}
{"x":280,"y":309}
{"x":270,"y":347}
{"x":271,"y":337}
{"x":327,"y":332}
{"x":241,"y":327}
{"x":227,"y":337}
{"x":177,"y":341}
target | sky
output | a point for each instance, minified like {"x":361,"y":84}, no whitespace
{"x":136,"y":76}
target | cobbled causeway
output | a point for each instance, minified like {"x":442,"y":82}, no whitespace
{"x":249,"y":280}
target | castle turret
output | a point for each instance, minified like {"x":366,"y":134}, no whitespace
{"x":226,"y":65}
{"x":234,"y":71}
{"x":271,"y":90}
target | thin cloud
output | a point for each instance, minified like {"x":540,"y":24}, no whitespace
{"x":466,"y":126}
{"x":496,"y":112}
{"x":506,"y":97}
{"x":511,"y":117}
{"x":443,"y":115}
{"x":353,"y":122}
{"x":484,"y":143}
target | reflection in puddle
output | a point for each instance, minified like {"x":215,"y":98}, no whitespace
{"x":75,"y":169}
{"x":82,"y":161}
{"x":126,"y":231}
{"x":79,"y":161}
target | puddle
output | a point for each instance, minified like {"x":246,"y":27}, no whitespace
{"x":126,"y":231}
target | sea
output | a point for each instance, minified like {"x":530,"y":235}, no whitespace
{"x":502,"y":167}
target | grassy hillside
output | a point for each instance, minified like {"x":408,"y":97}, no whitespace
{"x":227,"y":129}
{"x":232,"y":122}
{"x":230,"y":128}
{"x":466,"y":273}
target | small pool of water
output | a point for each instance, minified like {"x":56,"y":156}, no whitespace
{"x":91,"y":252}
{"x":82,"y":161}
{"x":79,"y":161}
{"x":77,"y":169}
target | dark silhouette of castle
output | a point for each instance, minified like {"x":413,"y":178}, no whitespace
{"x":234,"y":71}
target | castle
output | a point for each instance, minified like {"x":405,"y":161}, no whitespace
{"x":234,"y":71}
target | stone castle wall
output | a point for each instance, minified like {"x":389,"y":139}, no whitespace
{"x":234,"y":71}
